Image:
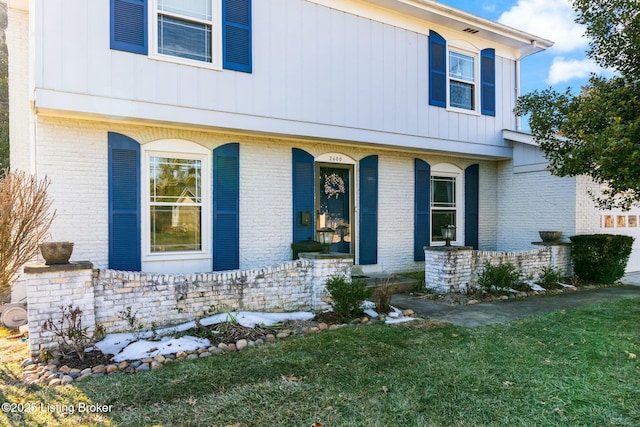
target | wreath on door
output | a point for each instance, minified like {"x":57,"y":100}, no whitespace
{"x":333,"y":185}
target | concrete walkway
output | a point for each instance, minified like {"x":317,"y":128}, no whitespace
{"x":488,"y":313}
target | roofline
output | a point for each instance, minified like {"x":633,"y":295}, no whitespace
{"x":496,"y":27}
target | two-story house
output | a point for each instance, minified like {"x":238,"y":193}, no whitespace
{"x":184,"y":136}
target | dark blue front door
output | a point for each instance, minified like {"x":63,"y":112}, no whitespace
{"x":335,"y":205}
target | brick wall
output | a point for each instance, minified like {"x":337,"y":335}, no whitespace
{"x":20,"y":116}
{"x":530,"y":202}
{"x":49,"y":289}
{"x":454,"y":269}
{"x":105,"y":296}
{"x":73,"y":153}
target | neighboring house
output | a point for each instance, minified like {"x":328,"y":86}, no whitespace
{"x":383,"y":118}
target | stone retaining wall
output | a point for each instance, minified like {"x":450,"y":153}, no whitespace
{"x":455,"y":268}
{"x":167,"y":299}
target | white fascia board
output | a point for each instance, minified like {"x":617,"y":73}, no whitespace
{"x":521,"y":137}
{"x":423,"y":15}
{"x":65,"y":104}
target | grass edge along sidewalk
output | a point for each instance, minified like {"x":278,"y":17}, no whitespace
{"x":571,"y":367}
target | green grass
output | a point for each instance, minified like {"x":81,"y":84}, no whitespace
{"x":568,"y":368}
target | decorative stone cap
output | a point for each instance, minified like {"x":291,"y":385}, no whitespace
{"x":555,"y":243}
{"x":322,"y":255}
{"x":72,"y":266}
{"x":448,"y":248}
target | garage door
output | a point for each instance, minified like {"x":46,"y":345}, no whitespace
{"x":625,"y":223}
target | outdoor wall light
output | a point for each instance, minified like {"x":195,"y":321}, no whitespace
{"x":324,"y":235}
{"x":448,"y":234}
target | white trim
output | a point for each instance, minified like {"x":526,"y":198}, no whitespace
{"x":186,"y":150}
{"x":475,"y":55}
{"x":216,"y":38}
{"x":72,"y":105}
{"x":447,"y":21}
{"x":337,"y":158}
{"x":449,"y":170}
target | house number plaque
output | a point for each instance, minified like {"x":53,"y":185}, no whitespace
{"x":335,"y":158}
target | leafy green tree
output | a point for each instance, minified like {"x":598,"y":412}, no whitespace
{"x":597,"y":131}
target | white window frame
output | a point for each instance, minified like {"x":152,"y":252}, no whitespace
{"x":179,"y":149}
{"x":216,"y":37}
{"x":475,"y":55}
{"x":449,"y":171}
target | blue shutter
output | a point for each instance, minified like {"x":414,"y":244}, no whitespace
{"x":488,"y":82}
{"x":437,"y":70}
{"x":303,"y":179}
{"x":226,"y":207}
{"x":422,"y":209}
{"x":124,"y":203}
{"x":129,"y":25}
{"x":368,"y":241}
{"x":236,"y":35}
{"x":471,"y":205}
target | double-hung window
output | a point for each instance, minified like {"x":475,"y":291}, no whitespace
{"x":462,"y":81}
{"x":175,"y":204}
{"x":461,"y":78}
{"x":443,"y":205}
{"x":189,"y":30}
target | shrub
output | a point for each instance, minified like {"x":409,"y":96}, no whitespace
{"x":347,"y":296}
{"x":550,"y":276}
{"x":71,"y":335}
{"x":499,"y":277}
{"x":24,"y":223}
{"x":600,"y":258}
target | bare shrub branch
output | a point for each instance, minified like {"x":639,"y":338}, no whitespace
{"x":25,"y":219}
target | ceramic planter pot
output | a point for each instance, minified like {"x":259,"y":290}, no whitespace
{"x":550,"y":236}
{"x":56,"y":252}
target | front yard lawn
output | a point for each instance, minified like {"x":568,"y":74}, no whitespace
{"x":567,"y":368}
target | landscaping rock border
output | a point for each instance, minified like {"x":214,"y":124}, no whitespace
{"x":54,"y":373}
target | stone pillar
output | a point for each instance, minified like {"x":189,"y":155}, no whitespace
{"x":447,"y":268}
{"x":560,"y":256}
{"x":49,"y":288}
{"x":325,"y":266}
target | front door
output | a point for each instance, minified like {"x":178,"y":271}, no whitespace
{"x":333,"y":202}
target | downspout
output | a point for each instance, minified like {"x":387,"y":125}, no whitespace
{"x":526,"y":52}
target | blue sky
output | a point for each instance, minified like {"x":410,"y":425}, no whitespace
{"x":563,"y":65}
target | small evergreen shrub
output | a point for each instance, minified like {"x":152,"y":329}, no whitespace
{"x":347,"y":295}
{"x":600,"y":258}
{"x":550,"y":277}
{"x":499,"y":277}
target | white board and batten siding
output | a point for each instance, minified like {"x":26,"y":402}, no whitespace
{"x":317,"y":72}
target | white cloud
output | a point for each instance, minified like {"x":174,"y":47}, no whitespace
{"x":550,"y":19}
{"x":489,"y":6}
{"x":562,"y":70}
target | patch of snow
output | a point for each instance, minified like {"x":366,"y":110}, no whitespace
{"x":167,"y":345}
{"x":564,"y":285}
{"x":371,"y":313}
{"x":132,"y":346}
{"x":368,"y":305}
{"x":537,"y":288}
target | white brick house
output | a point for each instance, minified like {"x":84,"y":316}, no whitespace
{"x":252,"y":106}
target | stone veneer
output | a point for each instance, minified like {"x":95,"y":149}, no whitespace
{"x":168,"y":299}
{"x":455,"y":268}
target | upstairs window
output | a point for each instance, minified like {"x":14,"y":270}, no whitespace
{"x":188,"y":30}
{"x":207,"y":33}
{"x":462,"y":81}
{"x":185,"y":29}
